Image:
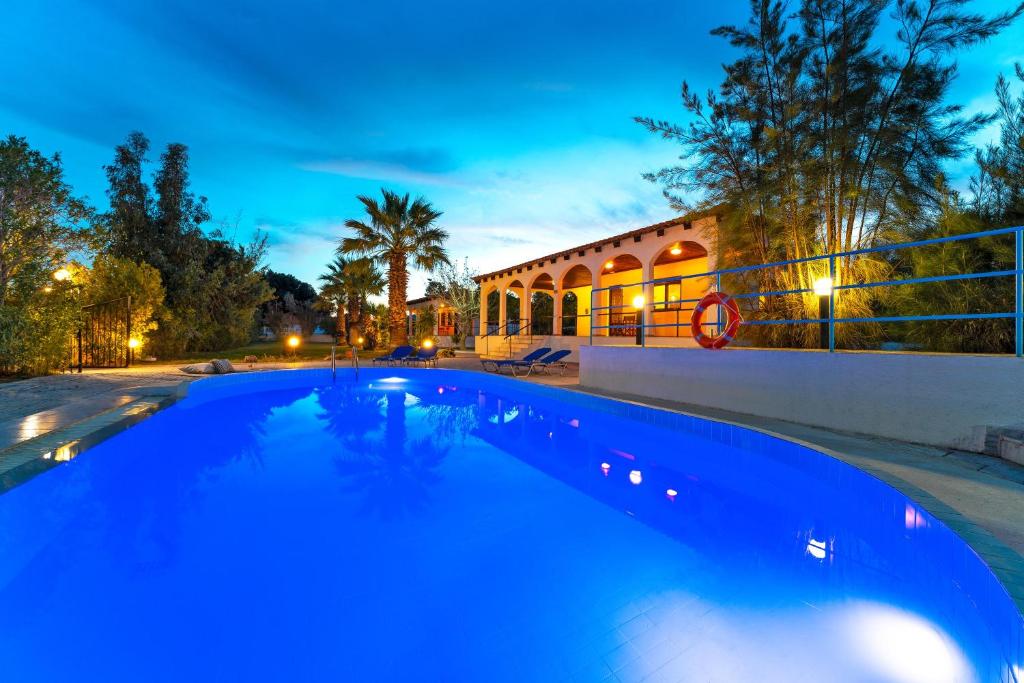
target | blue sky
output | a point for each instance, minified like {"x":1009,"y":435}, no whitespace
{"x":513,"y":118}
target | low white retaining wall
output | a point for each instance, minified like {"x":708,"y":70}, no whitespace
{"x":942,"y":400}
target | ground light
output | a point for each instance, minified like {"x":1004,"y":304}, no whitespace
{"x":427,"y":343}
{"x":823,"y":289}
{"x":132,"y":345}
{"x":293,"y":343}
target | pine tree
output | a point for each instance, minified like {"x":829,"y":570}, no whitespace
{"x":822,"y":139}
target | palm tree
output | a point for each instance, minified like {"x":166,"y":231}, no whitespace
{"x":397,"y":231}
{"x":347,"y":286}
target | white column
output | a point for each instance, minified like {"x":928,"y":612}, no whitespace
{"x":525,"y":309}
{"x":556,"y":321}
{"x":483,"y":311}
{"x":502,"y":306}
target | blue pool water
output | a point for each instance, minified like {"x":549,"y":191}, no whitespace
{"x":442,"y":526}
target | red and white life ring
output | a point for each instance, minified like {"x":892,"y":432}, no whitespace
{"x":732,"y":323}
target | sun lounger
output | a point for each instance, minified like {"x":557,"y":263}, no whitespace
{"x":399,"y":354}
{"x":552,"y":360}
{"x":497,"y":365}
{"x":423,"y":356}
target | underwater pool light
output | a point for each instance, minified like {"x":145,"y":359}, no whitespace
{"x":816,"y":549}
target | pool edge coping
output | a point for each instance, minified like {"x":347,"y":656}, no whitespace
{"x":44,"y":452}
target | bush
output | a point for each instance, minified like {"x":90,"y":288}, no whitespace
{"x":37,"y":325}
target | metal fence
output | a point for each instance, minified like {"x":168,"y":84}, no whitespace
{"x":104,"y":338}
{"x":827,"y":319}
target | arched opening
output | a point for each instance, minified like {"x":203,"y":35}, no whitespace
{"x":492,"y":311}
{"x":542,"y":304}
{"x":620,"y":283}
{"x":542,"y":312}
{"x":570,"y":311}
{"x":676,"y":291}
{"x":513,"y":310}
{"x":576,"y":286}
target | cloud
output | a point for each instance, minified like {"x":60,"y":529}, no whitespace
{"x":413,"y":165}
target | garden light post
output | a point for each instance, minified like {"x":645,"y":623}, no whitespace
{"x":132,"y":345}
{"x":823,"y":289}
{"x":638,"y":305}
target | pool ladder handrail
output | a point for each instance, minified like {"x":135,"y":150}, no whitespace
{"x":334,"y":361}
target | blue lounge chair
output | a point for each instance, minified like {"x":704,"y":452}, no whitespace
{"x":398,"y":355}
{"x":552,"y":360}
{"x":496,"y":365}
{"x":424,"y":356}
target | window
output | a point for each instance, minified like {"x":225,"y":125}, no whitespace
{"x":667,"y":296}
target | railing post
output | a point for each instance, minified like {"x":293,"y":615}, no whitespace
{"x":591,"y":316}
{"x":1019,"y":290}
{"x":718,"y":309}
{"x":129,"y":355}
{"x":832,"y":305}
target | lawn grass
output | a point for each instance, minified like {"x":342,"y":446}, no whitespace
{"x":269,"y":352}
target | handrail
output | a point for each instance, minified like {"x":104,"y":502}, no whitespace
{"x":1017,"y":272}
{"x":519,"y":333}
{"x":497,"y":331}
{"x":355,"y":361}
{"x":334,"y":364}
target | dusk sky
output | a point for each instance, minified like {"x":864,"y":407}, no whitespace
{"x":515,"y":119}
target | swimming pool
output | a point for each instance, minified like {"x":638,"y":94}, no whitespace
{"x":435,"y":525}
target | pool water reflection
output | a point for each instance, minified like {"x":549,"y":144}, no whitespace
{"x":447,"y":526}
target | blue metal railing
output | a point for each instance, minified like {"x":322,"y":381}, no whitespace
{"x":1017,"y":272}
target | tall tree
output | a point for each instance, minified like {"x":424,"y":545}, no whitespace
{"x":214,"y":286}
{"x":998,"y":187}
{"x":823,"y":139}
{"x":178,"y":217}
{"x":397,"y":230}
{"x":41,"y":225}
{"x":41,"y":222}
{"x":129,"y":222}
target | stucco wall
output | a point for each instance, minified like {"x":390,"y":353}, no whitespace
{"x":924,"y":398}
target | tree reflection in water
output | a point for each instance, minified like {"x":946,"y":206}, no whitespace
{"x":392,"y":472}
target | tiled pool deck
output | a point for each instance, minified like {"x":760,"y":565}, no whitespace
{"x":46,"y":420}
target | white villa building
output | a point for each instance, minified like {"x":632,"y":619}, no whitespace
{"x":551,"y":300}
